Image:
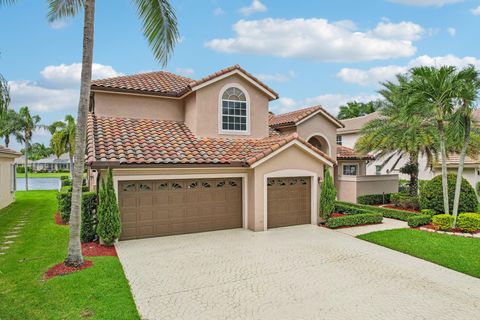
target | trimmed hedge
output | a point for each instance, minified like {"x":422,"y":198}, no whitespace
{"x":469,"y":221}
{"x":64,"y":199}
{"x":69,"y":189}
{"x":374,"y":198}
{"x":386,"y":212}
{"x":429,"y":212}
{"x":419,"y":220}
{"x":431,"y":195}
{"x":442,"y":222}
{"x":346,"y":208}
{"x":354,"y":219}
{"x":405,"y":201}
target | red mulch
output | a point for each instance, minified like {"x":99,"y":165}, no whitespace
{"x":93,"y":249}
{"x":61,"y":270}
{"x":335,"y":215}
{"x":390,"y":206}
{"x":456,"y":230}
{"x":58,"y":219}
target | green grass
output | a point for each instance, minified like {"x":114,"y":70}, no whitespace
{"x":457,"y":253}
{"x":100,"y":292}
{"x":43,"y":175}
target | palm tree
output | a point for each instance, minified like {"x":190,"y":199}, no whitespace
{"x":399,"y":132}
{"x":63,"y":138}
{"x":4,"y":94}
{"x":160,"y":29}
{"x":8,"y":125}
{"x":27,"y":124}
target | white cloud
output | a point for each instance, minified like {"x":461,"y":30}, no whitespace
{"x":57,"y":89}
{"x":255,"y":7}
{"x":372,"y":76}
{"x":426,"y":3}
{"x":277,"y":77}
{"x":185,"y":71}
{"x":58,"y":24}
{"x":218,"y":11}
{"x":452,"y":31}
{"x":331,"y":102}
{"x":320,"y":40}
{"x":476,"y":11}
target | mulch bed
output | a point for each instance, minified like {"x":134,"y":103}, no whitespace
{"x":93,"y":249}
{"x":58,"y":219}
{"x":390,"y":206}
{"x":61,"y":270}
{"x":456,"y":230}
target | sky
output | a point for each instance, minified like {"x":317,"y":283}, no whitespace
{"x":310,"y":52}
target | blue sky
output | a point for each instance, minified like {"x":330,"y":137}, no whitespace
{"x":311,"y":52}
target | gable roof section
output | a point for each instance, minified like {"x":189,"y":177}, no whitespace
{"x":168,"y":84}
{"x":122,"y":141}
{"x":298,"y":116}
{"x":9,"y":152}
{"x":345,"y":153}
{"x":354,"y":125}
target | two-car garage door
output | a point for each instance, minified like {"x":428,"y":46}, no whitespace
{"x":168,"y":207}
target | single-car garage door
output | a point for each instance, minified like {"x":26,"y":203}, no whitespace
{"x":288,"y":201}
{"x":168,"y":207}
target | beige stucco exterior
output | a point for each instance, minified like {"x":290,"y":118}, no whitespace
{"x":7,"y":194}
{"x":351,"y":187}
{"x":319,"y":125}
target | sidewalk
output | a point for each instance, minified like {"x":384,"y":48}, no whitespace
{"x":387,"y":224}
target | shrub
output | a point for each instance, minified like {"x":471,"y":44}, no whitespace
{"x":355,"y":219}
{"x":89,"y":219}
{"x":419,"y":220}
{"x":109,"y":227}
{"x":64,"y":204}
{"x":374,"y":199}
{"x":386,"y":212}
{"x":69,"y":189}
{"x":20,"y":169}
{"x":65,"y":183}
{"x":345,"y":208}
{"x":469,"y":222}
{"x":442,"y":221}
{"x":431,"y":196}
{"x":327,"y":196}
{"x":406,"y":201}
{"x":429,"y":212}
{"x":64,"y":178}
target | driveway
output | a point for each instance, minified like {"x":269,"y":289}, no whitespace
{"x":301,"y":272}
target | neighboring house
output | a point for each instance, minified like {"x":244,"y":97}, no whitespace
{"x":198,"y":155}
{"x":349,"y":135}
{"x":7,"y":176}
{"x":50,"y":164}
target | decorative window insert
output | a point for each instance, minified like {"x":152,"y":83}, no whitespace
{"x":378,"y":170}
{"x":144,"y":187}
{"x":234,"y":110}
{"x":350,"y":169}
{"x":129,"y":187}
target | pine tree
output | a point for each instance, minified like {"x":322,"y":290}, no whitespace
{"x":109,"y":226}
{"x":328,"y":196}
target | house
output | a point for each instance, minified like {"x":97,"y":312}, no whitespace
{"x":198,"y":155}
{"x":348,"y":136}
{"x":49,"y":164}
{"x":7,"y":176}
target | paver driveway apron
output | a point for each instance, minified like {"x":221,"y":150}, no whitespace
{"x":301,"y":272}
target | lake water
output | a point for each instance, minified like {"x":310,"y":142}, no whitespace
{"x":39,"y":184}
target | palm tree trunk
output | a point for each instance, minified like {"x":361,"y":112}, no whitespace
{"x":75,"y":257}
{"x":70,"y":158}
{"x":413,"y":185}
{"x":26,"y":164}
{"x":458,"y":183}
{"x":7,"y":141}
{"x":443,"y":152}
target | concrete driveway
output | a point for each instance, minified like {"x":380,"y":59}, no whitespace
{"x":301,"y":272}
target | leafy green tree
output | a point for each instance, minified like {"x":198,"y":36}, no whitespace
{"x":355,"y":109}
{"x":109,"y":226}
{"x":63,"y":138}
{"x":9,"y":125}
{"x":328,"y":195}
{"x":38,"y":151}
{"x":27,"y":124}
{"x":401,"y":132}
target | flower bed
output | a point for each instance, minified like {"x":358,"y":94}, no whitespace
{"x":391,"y":206}
{"x":58,"y":219}
{"x":454,"y":232}
{"x":61,"y":270}
{"x":93,"y":249}
{"x":350,"y":208}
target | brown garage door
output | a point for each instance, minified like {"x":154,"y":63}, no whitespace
{"x":288,"y":201}
{"x":167,"y":207}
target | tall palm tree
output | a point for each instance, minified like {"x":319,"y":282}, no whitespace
{"x":8,"y":125}
{"x":4,"y":94}
{"x":27,"y":124}
{"x":63,"y":138}
{"x":160,"y":29}
{"x":399,"y":132}
{"x":436,"y":89}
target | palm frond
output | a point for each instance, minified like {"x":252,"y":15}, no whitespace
{"x":59,"y":9}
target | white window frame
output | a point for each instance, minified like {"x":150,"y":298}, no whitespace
{"x":220,"y":104}
{"x":350,"y":164}
{"x":339,"y":138}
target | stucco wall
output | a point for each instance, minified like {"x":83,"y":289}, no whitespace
{"x":348,"y":140}
{"x":191,"y":111}
{"x":351,"y":187}
{"x":138,"y":106}
{"x":207,"y":101}
{"x":362,"y":166}
{"x":6,"y":196}
{"x":319,"y":125}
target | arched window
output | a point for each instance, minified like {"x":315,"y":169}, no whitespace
{"x":234,"y":110}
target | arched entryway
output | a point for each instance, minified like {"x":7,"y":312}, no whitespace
{"x":322,"y":144}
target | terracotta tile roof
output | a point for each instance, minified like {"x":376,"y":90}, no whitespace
{"x":454,"y":158}
{"x":345,"y":153}
{"x":8,"y":151}
{"x":143,"y":141}
{"x":166,"y":83}
{"x":355,"y":124}
{"x":292,"y":118}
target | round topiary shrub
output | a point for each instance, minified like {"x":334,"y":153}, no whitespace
{"x":431,"y":196}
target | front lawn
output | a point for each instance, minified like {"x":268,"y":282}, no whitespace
{"x":457,"y":253}
{"x":100,"y":292}
{"x":43,"y":174}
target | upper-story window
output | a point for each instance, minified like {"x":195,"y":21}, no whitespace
{"x":339,"y":140}
{"x":234,"y":111}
